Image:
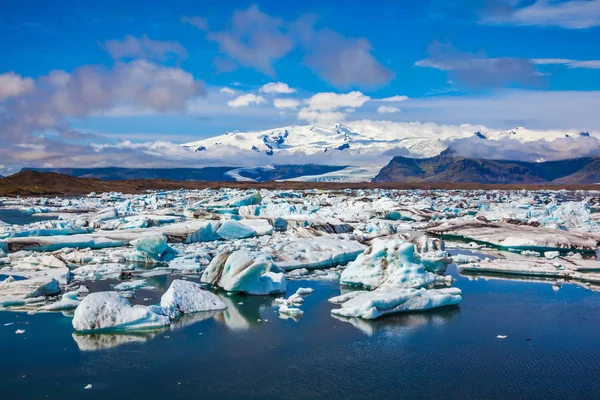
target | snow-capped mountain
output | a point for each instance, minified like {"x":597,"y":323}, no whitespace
{"x":362,"y":147}
{"x":420,"y":140}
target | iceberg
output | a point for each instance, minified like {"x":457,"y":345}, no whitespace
{"x":313,"y":253}
{"x":232,"y":230}
{"x":388,"y":300}
{"x":387,"y":263}
{"x":110,"y":312}
{"x":184,"y":297}
{"x":153,"y":246}
{"x":131,"y":285}
{"x":241,"y":272}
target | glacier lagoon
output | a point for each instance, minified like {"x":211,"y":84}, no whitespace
{"x":550,"y":349}
{"x":325,"y":294}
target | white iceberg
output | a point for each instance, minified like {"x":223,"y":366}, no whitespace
{"x":388,"y":300}
{"x":387,"y":262}
{"x":241,"y":272}
{"x":110,"y":312}
{"x":184,"y":297}
{"x":154,"y":246}
{"x":313,"y":253}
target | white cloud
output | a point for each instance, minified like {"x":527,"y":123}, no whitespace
{"x":12,"y":84}
{"x":570,"y":14}
{"x":91,"y":90}
{"x":227,"y":90}
{"x":286,"y":103}
{"x":245,"y":100}
{"x":396,"y":98}
{"x":328,"y":101}
{"x":330,"y":107}
{"x":387,"y":109}
{"x":144,"y":47}
{"x":589,"y":64}
{"x":276,"y":87}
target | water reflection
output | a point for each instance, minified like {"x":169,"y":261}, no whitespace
{"x":555,"y":282}
{"x":404,"y":324}
{"x":242,"y":311}
{"x":103,"y":341}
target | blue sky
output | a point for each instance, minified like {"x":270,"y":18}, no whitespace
{"x":499,"y":63}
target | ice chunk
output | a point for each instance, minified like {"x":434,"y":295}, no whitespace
{"x":387,"y":300}
{"x":507,"y":235}
{"x":465,"y":259}
{"x":254,"y":198}
{"x":131,"y":285}
{"x":155,"y":246}
{"x":49,"y":288}
{"x":68,"y":301}
{"x":304,"y":291}
{"x":387,"y":262}
{"x":108,"y":311}
{"x":232,"y":229}
{"x":312,"y":253}
{"x":291,"y":311}
{"x":241,"y":272}
{"x":40,"y":262}
{"x":189,"y":297}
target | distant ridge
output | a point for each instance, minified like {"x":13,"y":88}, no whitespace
{"x":33,"y":183}
{"x":447,"y":167}
{"x":223,"y":174}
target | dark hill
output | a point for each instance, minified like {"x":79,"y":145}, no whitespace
{"x":448,"y":167}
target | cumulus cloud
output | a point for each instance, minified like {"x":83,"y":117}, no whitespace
{"x":144,"y":47}
{"x":511,"y":149}
{"x":89,"y":90}
{"x":479,"y":70}
{"x":245,"y":100}
{"x":330,"y":101}
{"x":12,"y":84}
{"x":570,"y":14}
{"x":286,"y":103}
{"x":254,"y":39}
{"x":197,"y":21}
{"x":331,"y":107}
{"x":276,"y":87}
{"x":387,"y":109}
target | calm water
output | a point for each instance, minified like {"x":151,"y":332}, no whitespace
{"x":450,"y":353}
{"x":18,"y":217}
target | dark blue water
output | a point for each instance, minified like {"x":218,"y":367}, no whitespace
{"x":18,"y":217}
{"x":552,"y":351}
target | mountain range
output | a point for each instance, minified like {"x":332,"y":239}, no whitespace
{"x":361,"y":152}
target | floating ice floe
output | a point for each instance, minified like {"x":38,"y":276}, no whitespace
{"x":241,"y":272}
{"x":507,"y":235}
{"x":131,"y":285}
{"x":569,"y":268}
{"x":388,"y":300}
